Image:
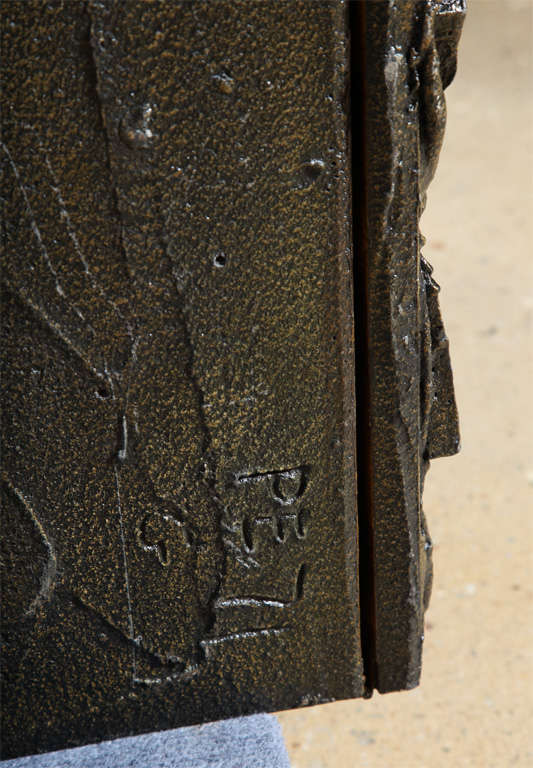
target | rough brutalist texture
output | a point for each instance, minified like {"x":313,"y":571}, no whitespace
{"x":179,"y":433}
{"x":406,"y":403}
{"x":179,"y":463}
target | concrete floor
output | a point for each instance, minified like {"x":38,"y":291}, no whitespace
{"x":474,"y":707}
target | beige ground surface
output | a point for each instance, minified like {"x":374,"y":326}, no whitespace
{"x":475,"y":706}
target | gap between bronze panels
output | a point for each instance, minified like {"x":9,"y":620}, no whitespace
{"x":359,"y":172}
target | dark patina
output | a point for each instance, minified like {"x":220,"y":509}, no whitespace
{"x":210,"y":232}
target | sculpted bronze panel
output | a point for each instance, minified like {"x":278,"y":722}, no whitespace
{"x":210,"y":225}
{"x":405,"y":398}
{"x":179,"y":458}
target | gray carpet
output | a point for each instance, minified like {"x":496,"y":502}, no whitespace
{"x":245,"y":742}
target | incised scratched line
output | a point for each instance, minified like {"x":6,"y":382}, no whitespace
{"x":123,"y":451}
{"x":289,"y":472}
{"x":185,"y":674}
{"x":41,"y":313}
{"x":247,"y":634}
{"x":276,"y":478}
{"x":73,"y":236}
{"x":50,"y":570}
{"x":255,"y":601}
{"x":194,"y":669}
{"x":249,"y":562}
{"x":126,"y":575}
{"x":33,"y":222}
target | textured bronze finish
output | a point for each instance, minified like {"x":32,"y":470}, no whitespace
{"x":406,"y":403}
{"x":179,"y":458}
{"x":180,"y":525}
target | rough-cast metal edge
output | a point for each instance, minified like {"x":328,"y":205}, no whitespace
{"x":406,"y":404}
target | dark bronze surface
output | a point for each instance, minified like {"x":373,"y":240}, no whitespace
{"x":180,"y":526}
{"x":179,"y":432}
{"x":406,"y":403}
